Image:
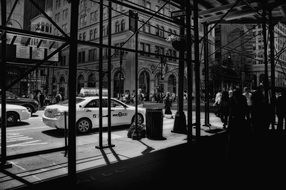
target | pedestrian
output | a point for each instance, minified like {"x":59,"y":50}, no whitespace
{"x":42,"y":99}
{"x":217,"y":103}
{"x":281,"y":111}
{"x":58,"y":97}
{"x":248,"y":95}
{"x":224,"y":108}
{"x":238,"y":128}
{"x":168,"y":103}
{"x":260,"y":115}
{"x":260,"y":119}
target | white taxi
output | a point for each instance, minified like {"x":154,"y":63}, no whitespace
{"x":87,"y":113}
{"x":15,"y":113}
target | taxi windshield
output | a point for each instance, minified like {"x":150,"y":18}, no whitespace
{"x":65,"y":102}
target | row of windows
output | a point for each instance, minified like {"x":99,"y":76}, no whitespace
{"x":44,"y":27}
{"x":92,"y":53}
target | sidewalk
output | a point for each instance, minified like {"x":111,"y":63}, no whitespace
{"x":175,"y":164}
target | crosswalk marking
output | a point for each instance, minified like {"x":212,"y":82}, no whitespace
{"x":20,"y":140}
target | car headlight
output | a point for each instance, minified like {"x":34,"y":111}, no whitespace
{"x":60,"y":114}
{"x":24,"y":110}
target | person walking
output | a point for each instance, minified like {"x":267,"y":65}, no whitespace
{"x":217,"y":103}
{"x":238,"y":129}
{"x":248,"y":95}
{"x":281,"y":111}
{"x":42,"y":99}
{"x":224,"y":108}
{"x":168,"y":104}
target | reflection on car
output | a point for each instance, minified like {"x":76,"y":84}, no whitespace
{"x":87,"y":113}
{"x":15,"y":113}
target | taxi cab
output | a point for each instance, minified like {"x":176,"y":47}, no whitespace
{"x":15,"y":113}
{"x":87,"y":113}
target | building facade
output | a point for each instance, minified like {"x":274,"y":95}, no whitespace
{"x":152,"y":75}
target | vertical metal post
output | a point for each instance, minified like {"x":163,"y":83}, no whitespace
{"x":189,"y":70}
{"x":180,"y":118}
{"x":100,"y":71}
{"x":136,"y":69}
{"x":206,"y":62}
{"x":109,"y":71}
{"x":197,"y":69}
{"x":3,"y":88}
{"x":266,"y":83}
{"x":271,"y":32}
{"x":72,"y":92}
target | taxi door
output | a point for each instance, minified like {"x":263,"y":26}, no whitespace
{"x":91,"y":110}
{"x":120,"y":115}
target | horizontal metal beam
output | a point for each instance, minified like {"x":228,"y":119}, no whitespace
{"x":33,"y":34}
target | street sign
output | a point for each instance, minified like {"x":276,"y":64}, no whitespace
{"x":178,"y":13}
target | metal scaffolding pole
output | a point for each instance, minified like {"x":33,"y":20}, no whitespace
{"x":266,"y":83}
{"x":3,"y":68}
{"x":180,"y":118}
{"x":197,"y":70}
{"x":100,"y":72}
{"x":206,"y":63}
{"x":72,"y":92}
{"x":189,"y":71}
{"x":272,"y":68}
{"x":109,"y":73}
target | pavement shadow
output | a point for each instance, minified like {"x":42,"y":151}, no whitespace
{"x":148,"y":148}
{"x":17,"y":124}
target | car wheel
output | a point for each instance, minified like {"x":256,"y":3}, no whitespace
{"x":12,"y":117}
{"x":83,"y":125}
{"x":140,"y":119}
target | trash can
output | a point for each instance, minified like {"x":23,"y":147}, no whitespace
{"x":154,"y":124}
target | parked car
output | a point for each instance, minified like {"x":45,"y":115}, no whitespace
{"x":15,"y":113}
{"x":87,"y":113}
{"x":31,"y":104}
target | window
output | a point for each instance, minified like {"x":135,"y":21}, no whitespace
{"x":157,"y":30}
{"x":157,"y":51}
{"x":142,"y":47}
{"x":92,"y":54}
{"x":147,"y":49}
{"x":162,"y":32}
{"x":122,"y":25}
{"x":58,"y":4}
{"x":93,"y":104}
{"x":104,"y":31}
{"x":92,"y":16}
{"x":95,"y":33}
{"x":80,"y":36}
{"x":148,"y":5}
{"x":117,"y":27}
{"x":64,"y":27}
{"x":57,"y":17}
{"x":91,"y":36}
{"x":65,"y":14}
{"x":84,"y":36}
{"x":63,"y":61}
{"x":147,"y":27}
{"x":81,"y":57}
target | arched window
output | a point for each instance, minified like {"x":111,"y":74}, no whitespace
{"x":91,"y":81}
{"x":172,"y":84}
{"x":117,"y":27}
{"x":122,"y":25}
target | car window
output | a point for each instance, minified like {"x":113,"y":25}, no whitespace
{"x":78,"y":100}
{"x":116,"y":104}
{"x":93,"y":104}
